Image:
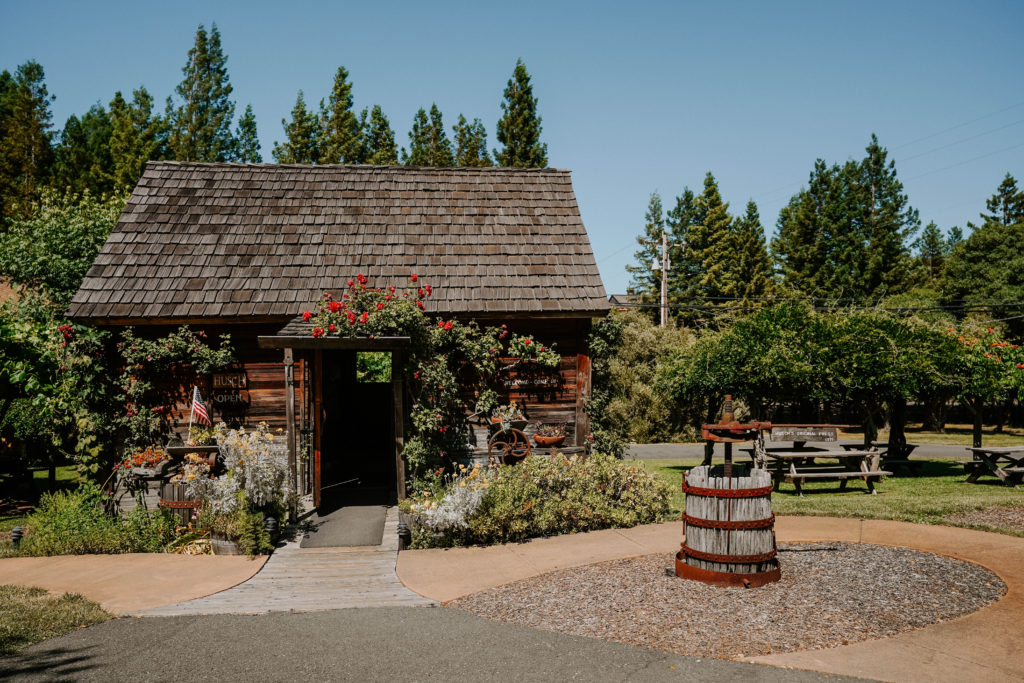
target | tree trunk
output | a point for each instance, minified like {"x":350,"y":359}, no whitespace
{"x":977,"y":407}
{"x":935,"y":415}
{"x":870,"y":427}
{"x":897,"y":426}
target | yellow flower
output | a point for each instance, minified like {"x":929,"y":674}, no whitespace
{"x":270,"y":437}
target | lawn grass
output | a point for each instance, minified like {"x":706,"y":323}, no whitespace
{"x":29,"y":615}
{"x":939,"y":491}
{"x":955,"y":435}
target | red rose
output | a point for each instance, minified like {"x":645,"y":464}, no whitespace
{"x":351,"y":283}
{"x":415,"y":277}
{"x":318,"y":331}
{"x":364,"y":317}
{"x":305,"y":317}
{"x":332,"y":328}
{"x":440,"y":323}
{"x":420,"y":292}
{"x":380,"y":306}
{"x":420,"y":304}
{"x":542,"y":348}
{"x":527,"y":342}
{"x":388,"y":297}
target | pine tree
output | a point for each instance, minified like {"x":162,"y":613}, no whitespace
{"x":380,"y":140}
{"x":471,"y":143}
{"x":82,"y":159}
{"x":887,"y":224}
{"x":303,"y":136}
{"x":932,"y":250}
{"x":751,"y":269}
{"x":646,"y":282}
{"x":428,"y":143}
{"x":25,"y":137}
{"x":520,"y":125}
{"x":1006,"y":206}
{"x":955,"y":236}
{"x":682,"y":269}
{"x":137,"y":136}
{"x":846,"y":235}
{"x":710,"y":244}
{"x":340,"y":128}
{"x":200,"y":127}
{"x":247,"y":138}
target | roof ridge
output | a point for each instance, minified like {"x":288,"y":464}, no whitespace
{"x":357,"y":167}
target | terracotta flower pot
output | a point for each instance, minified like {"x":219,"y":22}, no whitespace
{"x":548,"y":441}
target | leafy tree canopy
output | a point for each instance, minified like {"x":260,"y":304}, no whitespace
{"x":519,"y":127}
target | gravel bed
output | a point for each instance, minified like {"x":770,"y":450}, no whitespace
{"x":830,"y":594}
{"x":1000,"y":518}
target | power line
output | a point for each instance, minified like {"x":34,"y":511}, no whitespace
{"x":936,"y":149}
{"x":966,"y":161}
{"x":959,"y":125}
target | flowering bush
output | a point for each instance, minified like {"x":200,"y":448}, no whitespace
{"x":539,"y":497}
{"x":150,"y":457}
{"x":252,"y":469}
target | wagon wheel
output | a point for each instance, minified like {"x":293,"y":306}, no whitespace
{"x":508,"y":446}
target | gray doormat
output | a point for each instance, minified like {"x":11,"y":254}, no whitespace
{"x":348,"y":526}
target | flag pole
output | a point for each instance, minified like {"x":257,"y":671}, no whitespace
{"x":191,"y":412}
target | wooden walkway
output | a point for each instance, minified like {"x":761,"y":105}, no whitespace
{"x":313,"y":579}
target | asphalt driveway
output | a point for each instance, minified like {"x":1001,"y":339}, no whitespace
{"x":387,"y":644}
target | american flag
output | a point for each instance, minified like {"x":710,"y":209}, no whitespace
{"x":198,"y":409}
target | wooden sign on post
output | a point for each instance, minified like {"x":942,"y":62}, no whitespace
{"x":804,"y":434}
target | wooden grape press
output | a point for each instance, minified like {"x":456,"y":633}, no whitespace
{"x":730,"y":528}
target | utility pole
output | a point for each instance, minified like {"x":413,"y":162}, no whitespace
{"x":664,"y":278}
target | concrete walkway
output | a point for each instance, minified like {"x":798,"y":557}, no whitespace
{"x":131,"y":582}
{"x":312,"y":579}
{"x":974,"y":647}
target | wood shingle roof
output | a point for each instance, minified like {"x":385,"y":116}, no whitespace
{"x":222,"y":241}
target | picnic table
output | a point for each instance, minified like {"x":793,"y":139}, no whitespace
{"x":891,"y":456}
{"x":800,"y":464}
{"x":987,"y":460}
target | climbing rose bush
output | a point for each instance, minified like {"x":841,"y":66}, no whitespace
{"x":454,"y":366}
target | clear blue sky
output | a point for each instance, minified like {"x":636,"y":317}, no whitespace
{"x":635,"y":96}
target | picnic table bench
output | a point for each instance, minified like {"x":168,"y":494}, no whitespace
{"x":799,"y":464}
{"x":986,"y":460}
{"x":892,"y":457}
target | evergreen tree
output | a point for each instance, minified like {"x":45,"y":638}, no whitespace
{"x":1006,"y":206}
{"x":137,"y":136}
{"x":846,"y":234}
{"x":340,"y":129}
{"x":380,"y":140}
{"x":985,"y":269}
{"x":751,"y":268}
{"x":955,"y":237}
{"x":82,"y":159}
{"x":471,"y":143}
{"x":932,"y":250}
{"x":646,"y":282}
{"x":682,"y":269}
{"x":25,"y":136}
{"x":248,"y":138}
{"x":710,"y":245}
{"x":428,"y":143}
{"x":200,"y":127}
{"x":303,"y":136}
{"x":520,"y":125}
{"x":887,"y":224}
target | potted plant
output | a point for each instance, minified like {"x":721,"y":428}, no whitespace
{"x":549,"y":435}
{"x":509,"y":416}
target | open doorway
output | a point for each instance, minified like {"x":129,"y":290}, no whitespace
{"x":357,"y":462}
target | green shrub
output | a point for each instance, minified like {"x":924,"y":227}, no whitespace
{"x":74,"y":523}
{"x":540,"y":497}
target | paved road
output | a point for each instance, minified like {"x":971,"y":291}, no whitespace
{"x":385,"y":644}
{"x":665,"y":451}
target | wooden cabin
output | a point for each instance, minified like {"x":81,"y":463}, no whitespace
{"x":246,"y":248}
